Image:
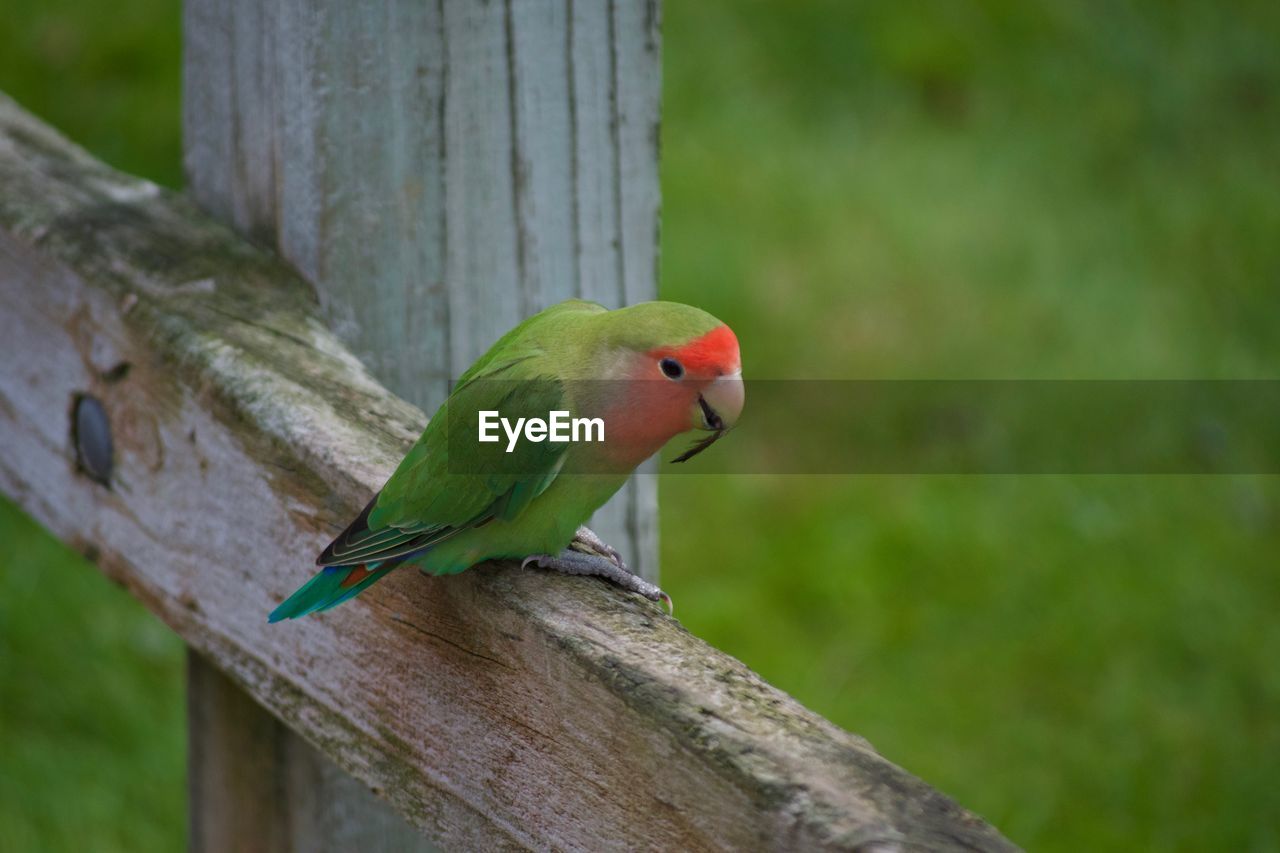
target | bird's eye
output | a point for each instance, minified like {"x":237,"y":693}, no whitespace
{"x":671,"y":368}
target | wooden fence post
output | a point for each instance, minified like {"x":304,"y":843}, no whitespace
{"x":438,"y":170}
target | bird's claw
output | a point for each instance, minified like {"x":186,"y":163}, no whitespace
{"x":575,"y":562}
{"x":586,"y":541}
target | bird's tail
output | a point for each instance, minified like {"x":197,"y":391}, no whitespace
{"x":330,"y":587}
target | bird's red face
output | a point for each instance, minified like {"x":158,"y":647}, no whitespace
{"x":708,"y":372}
{"x":697,"y":385}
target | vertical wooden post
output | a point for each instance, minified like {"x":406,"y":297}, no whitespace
{"x":256,"y":787}
{"x":439,"y":169}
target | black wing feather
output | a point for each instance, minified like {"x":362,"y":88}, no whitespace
{"x":358,"y":544}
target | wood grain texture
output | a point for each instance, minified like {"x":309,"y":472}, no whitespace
{"x":496,"y":709}
{"x":232,"y":752}
{"x":260,"y":787}
{"x":416,"y":161}
{"x":439,"y":170}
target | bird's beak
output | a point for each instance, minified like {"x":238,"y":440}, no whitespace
{"x":721,"y":402}
{"x":719,"y":405}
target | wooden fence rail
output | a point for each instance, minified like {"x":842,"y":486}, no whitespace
{"x":496,"y":709}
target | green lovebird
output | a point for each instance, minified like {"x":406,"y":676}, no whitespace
{"x":574,"y":398}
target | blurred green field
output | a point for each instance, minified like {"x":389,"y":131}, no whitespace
{"x":996,"y":189}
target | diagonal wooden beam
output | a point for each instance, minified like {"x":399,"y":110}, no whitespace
{"x":496,"y":709}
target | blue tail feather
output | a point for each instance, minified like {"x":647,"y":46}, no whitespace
{"x":325,"y":590}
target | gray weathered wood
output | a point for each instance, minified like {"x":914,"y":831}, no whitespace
{"x":232,"y":756}
{"x":438,"y":170}
{"x":420,"y":162}
{"x":257,"y":786}
{"x":495,"y":709}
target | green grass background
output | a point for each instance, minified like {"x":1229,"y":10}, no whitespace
{"x":990,"y":189}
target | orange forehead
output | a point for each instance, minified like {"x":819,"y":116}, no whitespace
{"x":716,"y":352}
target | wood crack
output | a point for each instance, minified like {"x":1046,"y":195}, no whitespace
{"x":395,"y":617}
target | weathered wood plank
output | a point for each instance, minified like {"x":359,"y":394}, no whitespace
{"x":257,"y":786}
{"x":334,"y":124}
{"x":438,"y":170}
{"x":635,"y":38}
{"x":233,"y":754}
{"x":495,"y":709}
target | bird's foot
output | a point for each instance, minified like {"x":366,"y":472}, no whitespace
{"x":587,"y":542}
{"x":571,"y":561}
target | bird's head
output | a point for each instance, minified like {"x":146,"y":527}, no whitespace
{"x":684,"y":370}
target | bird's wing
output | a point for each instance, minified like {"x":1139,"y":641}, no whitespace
{"x":446,"y":485}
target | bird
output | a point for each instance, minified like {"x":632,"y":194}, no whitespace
{"x":647,"y":372}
